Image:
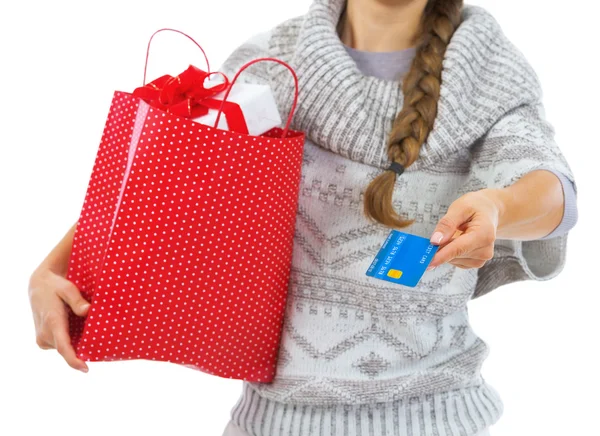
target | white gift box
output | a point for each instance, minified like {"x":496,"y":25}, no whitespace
{"x":257,"y":104}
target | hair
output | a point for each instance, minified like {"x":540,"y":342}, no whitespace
{"x":421,"y":89}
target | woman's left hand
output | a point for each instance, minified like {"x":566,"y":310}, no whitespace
{"x":467,"y":233}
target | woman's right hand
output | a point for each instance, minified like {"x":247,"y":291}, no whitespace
{"x":49,"y":295}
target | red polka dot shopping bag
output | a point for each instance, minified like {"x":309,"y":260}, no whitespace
{"x":184,"y":241}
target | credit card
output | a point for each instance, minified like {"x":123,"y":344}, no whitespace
{"x":402,"y":259}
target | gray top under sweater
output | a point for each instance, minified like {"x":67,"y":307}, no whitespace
{"x":393,"y":65}
{"x":362,"y":356}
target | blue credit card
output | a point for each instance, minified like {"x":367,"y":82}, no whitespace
{"x":402,"y":259}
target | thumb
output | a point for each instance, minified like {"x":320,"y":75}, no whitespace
{"x":450,"y":223}
{"x":72,"y":296}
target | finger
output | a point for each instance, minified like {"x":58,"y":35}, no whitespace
{"x":72,"y":296}
{"x":43,"y":344}
{"x":451,"y":223}
{"x":62,"y":343}
{"x":482,"y":253}
{"x":447,"y":241}
{"x":457,"y":248}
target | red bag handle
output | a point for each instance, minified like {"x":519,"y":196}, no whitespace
{"x":289,"y":121}
{"x":184,"y":34}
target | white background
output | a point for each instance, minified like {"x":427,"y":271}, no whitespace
{"x":61,"y":62}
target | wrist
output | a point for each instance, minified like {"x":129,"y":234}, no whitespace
{"x":500,"y":198}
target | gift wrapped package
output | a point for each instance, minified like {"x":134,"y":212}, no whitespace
{"x":184,"y":241}
{"x":257,"y":104}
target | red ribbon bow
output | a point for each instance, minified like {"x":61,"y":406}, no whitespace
{"x":186,"y":96}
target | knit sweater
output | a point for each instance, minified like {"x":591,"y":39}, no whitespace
{"x":362,"y":356}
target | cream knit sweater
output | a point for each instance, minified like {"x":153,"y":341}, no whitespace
{"x":361,"y":356}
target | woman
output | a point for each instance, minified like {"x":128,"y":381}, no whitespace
{"x":420,"y":115}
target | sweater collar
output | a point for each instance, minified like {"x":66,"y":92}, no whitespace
{"x":351,"y":114}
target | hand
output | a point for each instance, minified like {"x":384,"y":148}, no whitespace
{"x":49,"y":295}
{"x":467,"y":233}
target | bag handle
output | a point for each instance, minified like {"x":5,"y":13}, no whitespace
{"x":184,"y":34}
{"x":289,"y":120}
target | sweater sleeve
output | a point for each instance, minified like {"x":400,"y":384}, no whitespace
{"x":521,"y":141}
{"x":571,"y":213}
{"x":254,"y":48}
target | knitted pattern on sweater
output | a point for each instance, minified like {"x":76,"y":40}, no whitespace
{"x":358,"y":355}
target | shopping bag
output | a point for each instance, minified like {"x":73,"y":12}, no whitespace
{"x":184,"y":241}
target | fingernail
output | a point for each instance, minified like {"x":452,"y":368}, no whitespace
{"x":85,"y":306}
{"x":437,"y":238}
{"x":430,"y":268}
{"x":83,"y":369}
